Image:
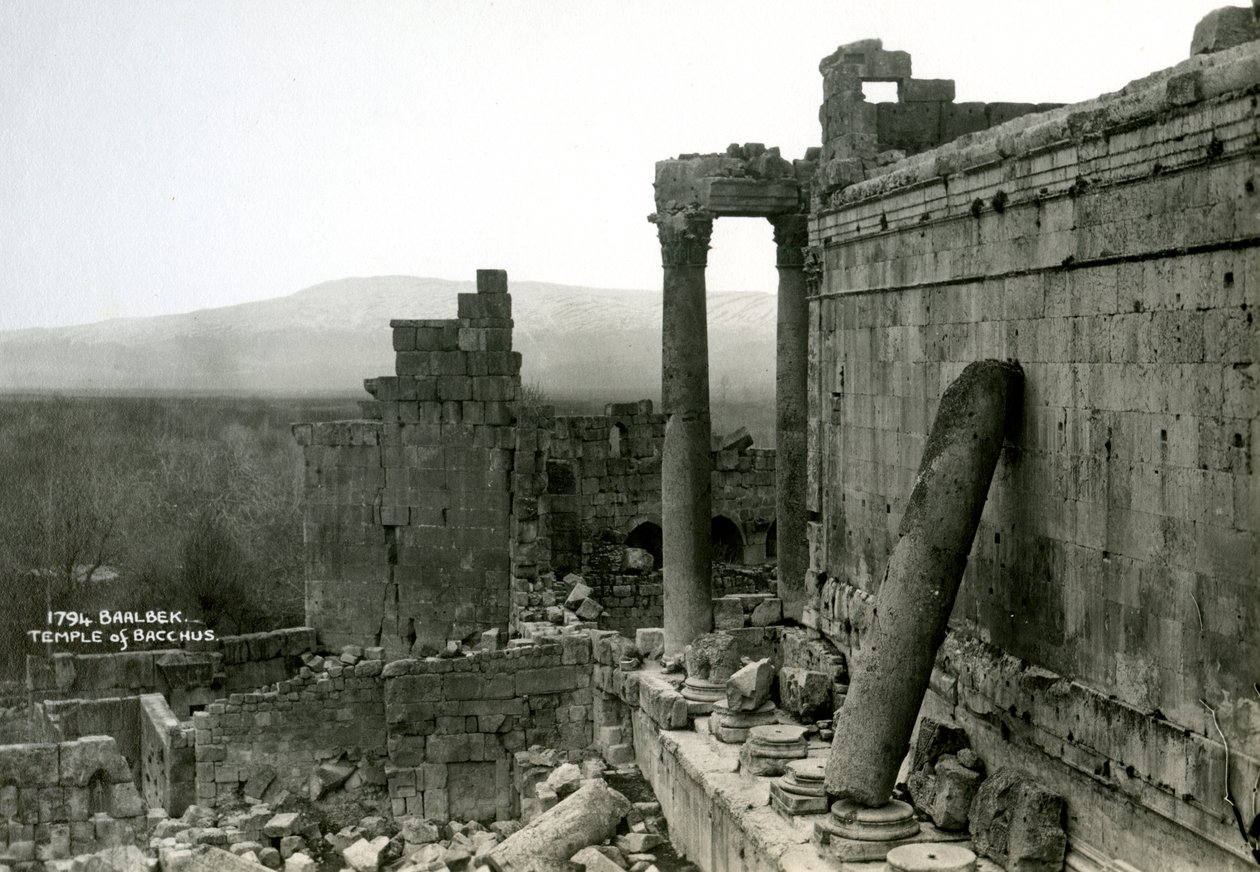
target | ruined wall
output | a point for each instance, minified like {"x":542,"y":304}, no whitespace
{"x":188,"y":678}
{"x":66,"y":798}
{"x":272,"y":740}
{"x":168,"y":774}
{"x":455,"y":724}
{"x":605,"y":474}
{"x":1110,"y":249}
{"x":416,"y":523}
{"x":861,"y":138}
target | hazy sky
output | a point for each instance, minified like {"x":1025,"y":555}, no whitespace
{"x":163,"y":157}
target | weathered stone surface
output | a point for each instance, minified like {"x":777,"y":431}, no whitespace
{"x":713,"y":657}
{"x":649,"y":641}
{"x":921,"y":580}
{"x":593,"y":860}
{"x":637,"y":560}
{"x":365,"y":855}
{"x":728,"y":613}
{"x":587,"y":817}
{"x":1224,"y":28}
{"x":934,"y":740}
{"x":749,"y":687}
{"x":805,"y":693}
{"x":956,"y":787}
{"x":767,"y":612}
{"x":418,"y":831}
{"x":1017,"y":822}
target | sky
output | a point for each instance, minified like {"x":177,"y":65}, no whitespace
{"x":161,"y":157}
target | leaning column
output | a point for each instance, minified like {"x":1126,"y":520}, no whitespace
{"x":686,"y":463}
{"x":791,"y":235}
{"x":891,"y":672}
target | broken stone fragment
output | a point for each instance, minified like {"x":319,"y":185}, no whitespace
{"x":713,"y":657}
{"x":956,"y":787}
{"x":1018,"y":823}
{"x":564,"y":779}
{"x":589,"y":610}
{"x":578,"y":593}
{"x":329,"y":776}
{"x":593,"y":860}
{"x":366,"y":856}
{"x":637,"y":560}
{"x":749,"y":687}
{"x":418,"y":831}
{"x":767,"y":612}
{"x":649,"y":641}
{"x":804,"y":693}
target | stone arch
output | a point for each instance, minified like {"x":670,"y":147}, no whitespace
{"x":646,"y":534}
{"x":727,"y":540}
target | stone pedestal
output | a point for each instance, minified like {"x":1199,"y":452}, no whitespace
{"x":701,"y":695}
{"x":801,"y":790}
{"x":931,"y":857}
{"x":769,"y":749}
{"x":686,"y":465}
{"x":854,"y":833}
{"x":791,"y":236}
{"x":732,"y":727}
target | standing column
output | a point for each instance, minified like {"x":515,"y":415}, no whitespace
{"x":686,"y":462}
{"x":791,"y":235}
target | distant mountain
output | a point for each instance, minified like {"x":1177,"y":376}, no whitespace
{"x":576,"y":341}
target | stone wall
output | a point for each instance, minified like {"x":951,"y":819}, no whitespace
{"x":188,"y":678}
{"x":260,"y":743}
{"x":416,"y":523}
{"x":66,"y":798}
{"x":168,"y":773}
{"x":605,"y":475}
{"x":860,"y":138}
{"x":454,"y":724}
{"x":1110,"y":249}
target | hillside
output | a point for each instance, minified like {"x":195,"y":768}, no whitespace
{"x":576,"y":341}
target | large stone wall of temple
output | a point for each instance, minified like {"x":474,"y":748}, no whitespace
{"x":416,"y":523}
{"x":1110,"y":248}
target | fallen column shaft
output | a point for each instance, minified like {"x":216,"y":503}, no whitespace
{"x":920,"y":582}
{"x":588,"y":816}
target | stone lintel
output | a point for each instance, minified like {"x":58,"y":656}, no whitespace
{"x":750,"y":197}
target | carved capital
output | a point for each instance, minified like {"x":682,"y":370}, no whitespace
{"x":684,"y":237}
{"x":791,"y":236}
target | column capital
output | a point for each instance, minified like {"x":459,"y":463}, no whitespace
{"x":791,"y":236}
{"x":684,"y":236}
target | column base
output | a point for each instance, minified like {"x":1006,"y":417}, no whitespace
{"x":732,"y":727}
{"x":801,"y":790}
{"x":769,"y":749}
{"x":931,"y":857}
{"x":701,"y":696}
{"x":857,"y":833}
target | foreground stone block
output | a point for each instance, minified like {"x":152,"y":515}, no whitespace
{"x":1017,"y":822}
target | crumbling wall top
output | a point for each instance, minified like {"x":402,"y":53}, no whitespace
{"x":748,"y":180}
